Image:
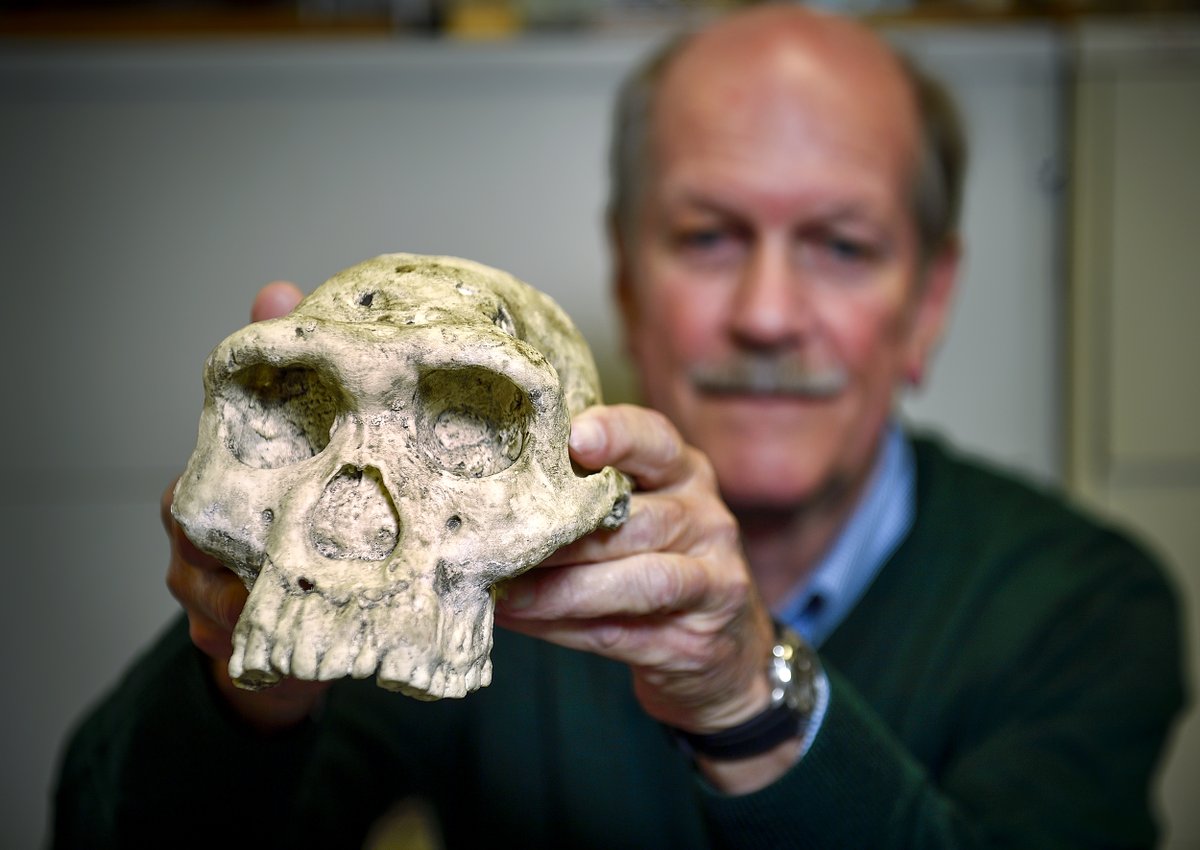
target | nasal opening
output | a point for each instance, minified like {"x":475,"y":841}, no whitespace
{"x":355,"y":518}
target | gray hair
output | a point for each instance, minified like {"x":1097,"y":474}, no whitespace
{"x":938,"y":179}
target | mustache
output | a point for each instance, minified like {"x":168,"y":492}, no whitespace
{"x":756,"y":374}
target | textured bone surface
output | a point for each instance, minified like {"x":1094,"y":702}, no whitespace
{"x":373,"y":463}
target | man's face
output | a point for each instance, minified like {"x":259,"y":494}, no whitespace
{"x":771,"y":290}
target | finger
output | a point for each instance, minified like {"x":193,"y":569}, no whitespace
{"x":276,"y":299}
{"x":213,"y":601}
{"x":216,"y":594}
{"x":636,"y":440}
{"x":164,"y":506}
{"x":181,"y":546}
{"x":640,"y":585}
{"x":212,"y":639}
{"x":613,"y":638}
{"x":656,"y":523}
{"x":203,"y":585}
{"x":647,"y":642}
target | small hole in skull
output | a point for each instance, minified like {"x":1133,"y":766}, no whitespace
{"x":504,"y":321}
{"x":306,"y":584}
{"x":454,"y":523}
{"x":406,"y":268}
{"x":268,"y":516}
{"x":366,"y":298}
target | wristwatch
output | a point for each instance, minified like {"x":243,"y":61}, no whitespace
{"x":792,"y":670}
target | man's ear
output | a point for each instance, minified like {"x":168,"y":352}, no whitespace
{"x":932,"y":310}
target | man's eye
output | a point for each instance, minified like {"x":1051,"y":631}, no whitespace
{"x":708,"y":247}
{"x":848,"y":250}
{"x":702,"y":239}
{"x":838,"y":256}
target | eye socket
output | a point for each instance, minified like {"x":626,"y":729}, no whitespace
{"x":472,"y":422}
{"x":273,"y":416}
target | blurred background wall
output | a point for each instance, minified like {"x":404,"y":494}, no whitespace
{"x":149,"y":186}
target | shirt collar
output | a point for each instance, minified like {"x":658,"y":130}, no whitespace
{"x":879,"y":522}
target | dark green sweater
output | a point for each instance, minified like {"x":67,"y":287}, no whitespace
{"x":1007,"y":681}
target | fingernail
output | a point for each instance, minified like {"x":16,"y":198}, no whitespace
{"x":586,"y":436}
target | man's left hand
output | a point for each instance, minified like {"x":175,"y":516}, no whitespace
{"x":669,"y":593}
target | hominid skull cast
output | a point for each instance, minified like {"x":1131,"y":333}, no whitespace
{"x":372,"y":464}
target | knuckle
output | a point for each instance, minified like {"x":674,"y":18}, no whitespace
{"x":165,"y":503}
{"x":670,"y":445}
{"x":660,"y":422}
{"x":740,"y":589}
{"x":608,"y":636}
{"x":217,"y":596}
{"x":164,"y":512}
{"x":206,"y":640}
{"x":176,"y":584}
{"x":669,"y":518}
{"x":702,"y":468}
{"x":725,"y":533}
{"x":229,"y":601}
{"x":180,"y":577}
{"x":663,"y":584}
{"x":734,"y":597}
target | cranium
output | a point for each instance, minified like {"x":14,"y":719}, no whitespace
{"x":374,"y":463}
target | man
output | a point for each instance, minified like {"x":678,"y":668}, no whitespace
{"x":991,"y":668}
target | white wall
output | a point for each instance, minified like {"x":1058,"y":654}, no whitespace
{"x":1135,"y":417}
{"x":146,"y":191}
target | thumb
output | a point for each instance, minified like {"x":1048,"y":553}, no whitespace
{"x":274,"y":300}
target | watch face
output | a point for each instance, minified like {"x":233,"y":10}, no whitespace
{"x":792,"y":671}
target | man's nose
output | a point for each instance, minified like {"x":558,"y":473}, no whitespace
{"x":772,"y":307}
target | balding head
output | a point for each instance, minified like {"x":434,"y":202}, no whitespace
{"x":822,"y":62}
{"x":791,"y":42}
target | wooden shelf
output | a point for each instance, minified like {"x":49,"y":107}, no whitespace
{"x":286,"y":21}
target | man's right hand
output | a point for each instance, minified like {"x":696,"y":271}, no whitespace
{"x":213,"y":596}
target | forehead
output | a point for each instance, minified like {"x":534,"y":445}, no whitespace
{"x":780,"y":108}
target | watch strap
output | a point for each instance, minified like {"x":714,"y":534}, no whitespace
{"x":792,"y":670}
{"x":759,"y":734}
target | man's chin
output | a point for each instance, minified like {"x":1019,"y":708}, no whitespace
{"x":766,"y":480}
{"x":750,"y":501}
{"x":765,"y":451}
